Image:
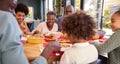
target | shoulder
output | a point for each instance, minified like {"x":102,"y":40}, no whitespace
{"x":92,"y":47}
{"x":7,"y":17}
{"x":4,"y":13}
{"x":115,"y":36}
{"x":42,"y":23}
{"x":117,"y":32}
{"x":81,"y":48}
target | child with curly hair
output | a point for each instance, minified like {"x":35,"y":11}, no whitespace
{"x":79,"y":28}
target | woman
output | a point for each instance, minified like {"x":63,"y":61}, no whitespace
{"x":49,"y":26}
{"x":21,"y":11}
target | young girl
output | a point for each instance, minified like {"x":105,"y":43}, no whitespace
{"x":79,"y":29}
{"x":112,"y":45}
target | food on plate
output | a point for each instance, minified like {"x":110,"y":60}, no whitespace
{"x":49,"y":37}
{"x":56,"y":34}
{"x":95,"y":37}
{"x":63,"y":40}
{"x":65,"y":45}
{"x":64,"y":36}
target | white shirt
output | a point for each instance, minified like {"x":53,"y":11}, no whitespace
{"x":42,"y":28}
{"x":80,"y":53}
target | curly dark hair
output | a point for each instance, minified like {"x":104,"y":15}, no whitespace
{"x":21,"y":8}
{"x":79,"y":25}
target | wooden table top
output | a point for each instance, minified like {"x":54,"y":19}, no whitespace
{"x":32,"y":51}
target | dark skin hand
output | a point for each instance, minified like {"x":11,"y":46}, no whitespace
{"x":51,"y":47}
{"x":36,"y":32}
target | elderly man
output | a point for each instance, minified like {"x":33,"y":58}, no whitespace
{"x":68,"y":10}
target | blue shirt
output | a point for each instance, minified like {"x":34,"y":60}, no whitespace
{"x":11,"y":51}
{"x":59,"y":21}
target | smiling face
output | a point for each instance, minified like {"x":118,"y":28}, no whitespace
{"x":12,"y":4}
{"x":20,"y":16}
{"x":115,"y":22}
{"x":50,"y":20}
{"x":8,"y":5}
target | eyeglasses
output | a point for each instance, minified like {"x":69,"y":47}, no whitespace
{"x":68,"y":11}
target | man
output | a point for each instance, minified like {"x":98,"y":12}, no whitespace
{"x":11,"y":51}
{"x":68,"y":10}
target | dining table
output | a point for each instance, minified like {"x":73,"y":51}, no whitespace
{"x":33,"y":50}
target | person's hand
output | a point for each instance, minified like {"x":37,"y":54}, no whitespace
{"x":54,"y":46}
{"x":51,"y":47}
{"x":36,"y":32}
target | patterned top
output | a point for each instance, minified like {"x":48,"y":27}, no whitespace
{"x":24,"y":28}
{"x":112,"y":47}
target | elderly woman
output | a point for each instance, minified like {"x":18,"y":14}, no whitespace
{"x":48,"y":26}
{"x":21,"y":11}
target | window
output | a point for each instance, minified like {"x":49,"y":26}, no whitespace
{"x":94,"y":8}
{"x":110,"y":6}
{"x":77,"y":5}
{"x":30,"y":14}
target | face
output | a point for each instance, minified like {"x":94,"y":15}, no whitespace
{"x":50,"y":20}
{"x":115,"y":22}
{"x":8,"y":5}
{"x":12,"y":4}
{"x":20,"y":16}
{"x":68,"y":10}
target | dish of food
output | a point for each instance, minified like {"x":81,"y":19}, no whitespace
{"x":49,"y":37}
{"x":35,"y":40}
{"x":65,"y":46}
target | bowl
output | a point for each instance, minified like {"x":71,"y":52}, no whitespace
{"x":34,"y":40}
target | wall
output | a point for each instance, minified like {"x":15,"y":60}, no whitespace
{"x":36,"y":6}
